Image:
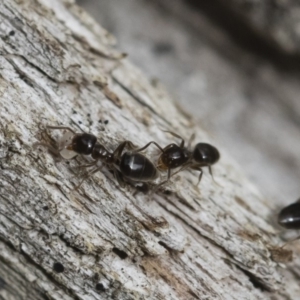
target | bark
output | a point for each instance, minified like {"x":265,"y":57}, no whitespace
{"x":215,"y":241}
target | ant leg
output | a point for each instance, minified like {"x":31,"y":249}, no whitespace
{"x":144,"y":188}
{"x":168,"y":178}
{"x":170,"y":175}
{"x":211,"y":174}
{"x":85,"y":166}
{"x":61,"y":128}
{"x":210,"y":171}
{"x":118,"y":151}
{"x":162,"y":183}
{"x":181,"y":169}
{"x":44,"y":135}
{"x":176,"y":135}
{"x":53,"y":150}
{"x":119,"y":178}
{"x":201,"y":173}
{"x":200,"y":176}
{"x":89,"y":174}
{"x":147,"y":145}
{"x":290,"y":241}
{"x":130,"y":145}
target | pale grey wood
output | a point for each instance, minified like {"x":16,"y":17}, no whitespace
{"x":211,"y":242}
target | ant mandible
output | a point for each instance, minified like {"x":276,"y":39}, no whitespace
{"x":131,"y":167}
{"x":174,"y":156}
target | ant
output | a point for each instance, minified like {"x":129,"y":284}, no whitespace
{"x":289,"y":216}
{"x":128,"y":167}
{"x":174,"y":156}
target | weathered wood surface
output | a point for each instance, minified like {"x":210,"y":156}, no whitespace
{"x":211,"y":242}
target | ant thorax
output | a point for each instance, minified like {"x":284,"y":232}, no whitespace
{"x":65,"y":141}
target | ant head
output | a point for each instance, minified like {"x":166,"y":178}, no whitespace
{"x":205,"y":154}
{"x":289,"y":217}
{"x":173,"y":156}
{"x":83,"y":143}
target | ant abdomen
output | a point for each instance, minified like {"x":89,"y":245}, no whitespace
{"x":205,"y":154}
{"x":137,"y":167}
{"x":289,"y":216}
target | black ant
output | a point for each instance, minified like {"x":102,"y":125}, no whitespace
{"x":289,"y":216}
{"x":174,"y":156}
{"x":130,"y":167}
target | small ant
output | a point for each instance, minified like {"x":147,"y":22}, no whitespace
{"x":130,"y":167}
{"x":174,"y":156}
{"x":289,"y":216}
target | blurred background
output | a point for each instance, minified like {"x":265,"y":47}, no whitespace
{"x":233,"y":64}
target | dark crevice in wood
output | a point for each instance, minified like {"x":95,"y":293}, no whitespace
{"x":58,"y":267}
{"x":37,"y":266}
{"x":140,"y":101}
{"x":73,"y":247}
{"x":255,"y":281}
{"x":30,"y":261}
{"x":122,"y":254}
{"x":206,"y":237}
{"x":100,"y":287}
{"x":15,"y":277}
{"x":2,"y":283}
{"x":163,"y":244}
{"x":49,"y":277}
{"x":18,"y":70}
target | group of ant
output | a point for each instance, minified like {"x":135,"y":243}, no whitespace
{"x":132,"y":167}
{"x":127,"y":162}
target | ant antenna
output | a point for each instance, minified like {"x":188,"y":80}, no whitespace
{"x":192,"y":138}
